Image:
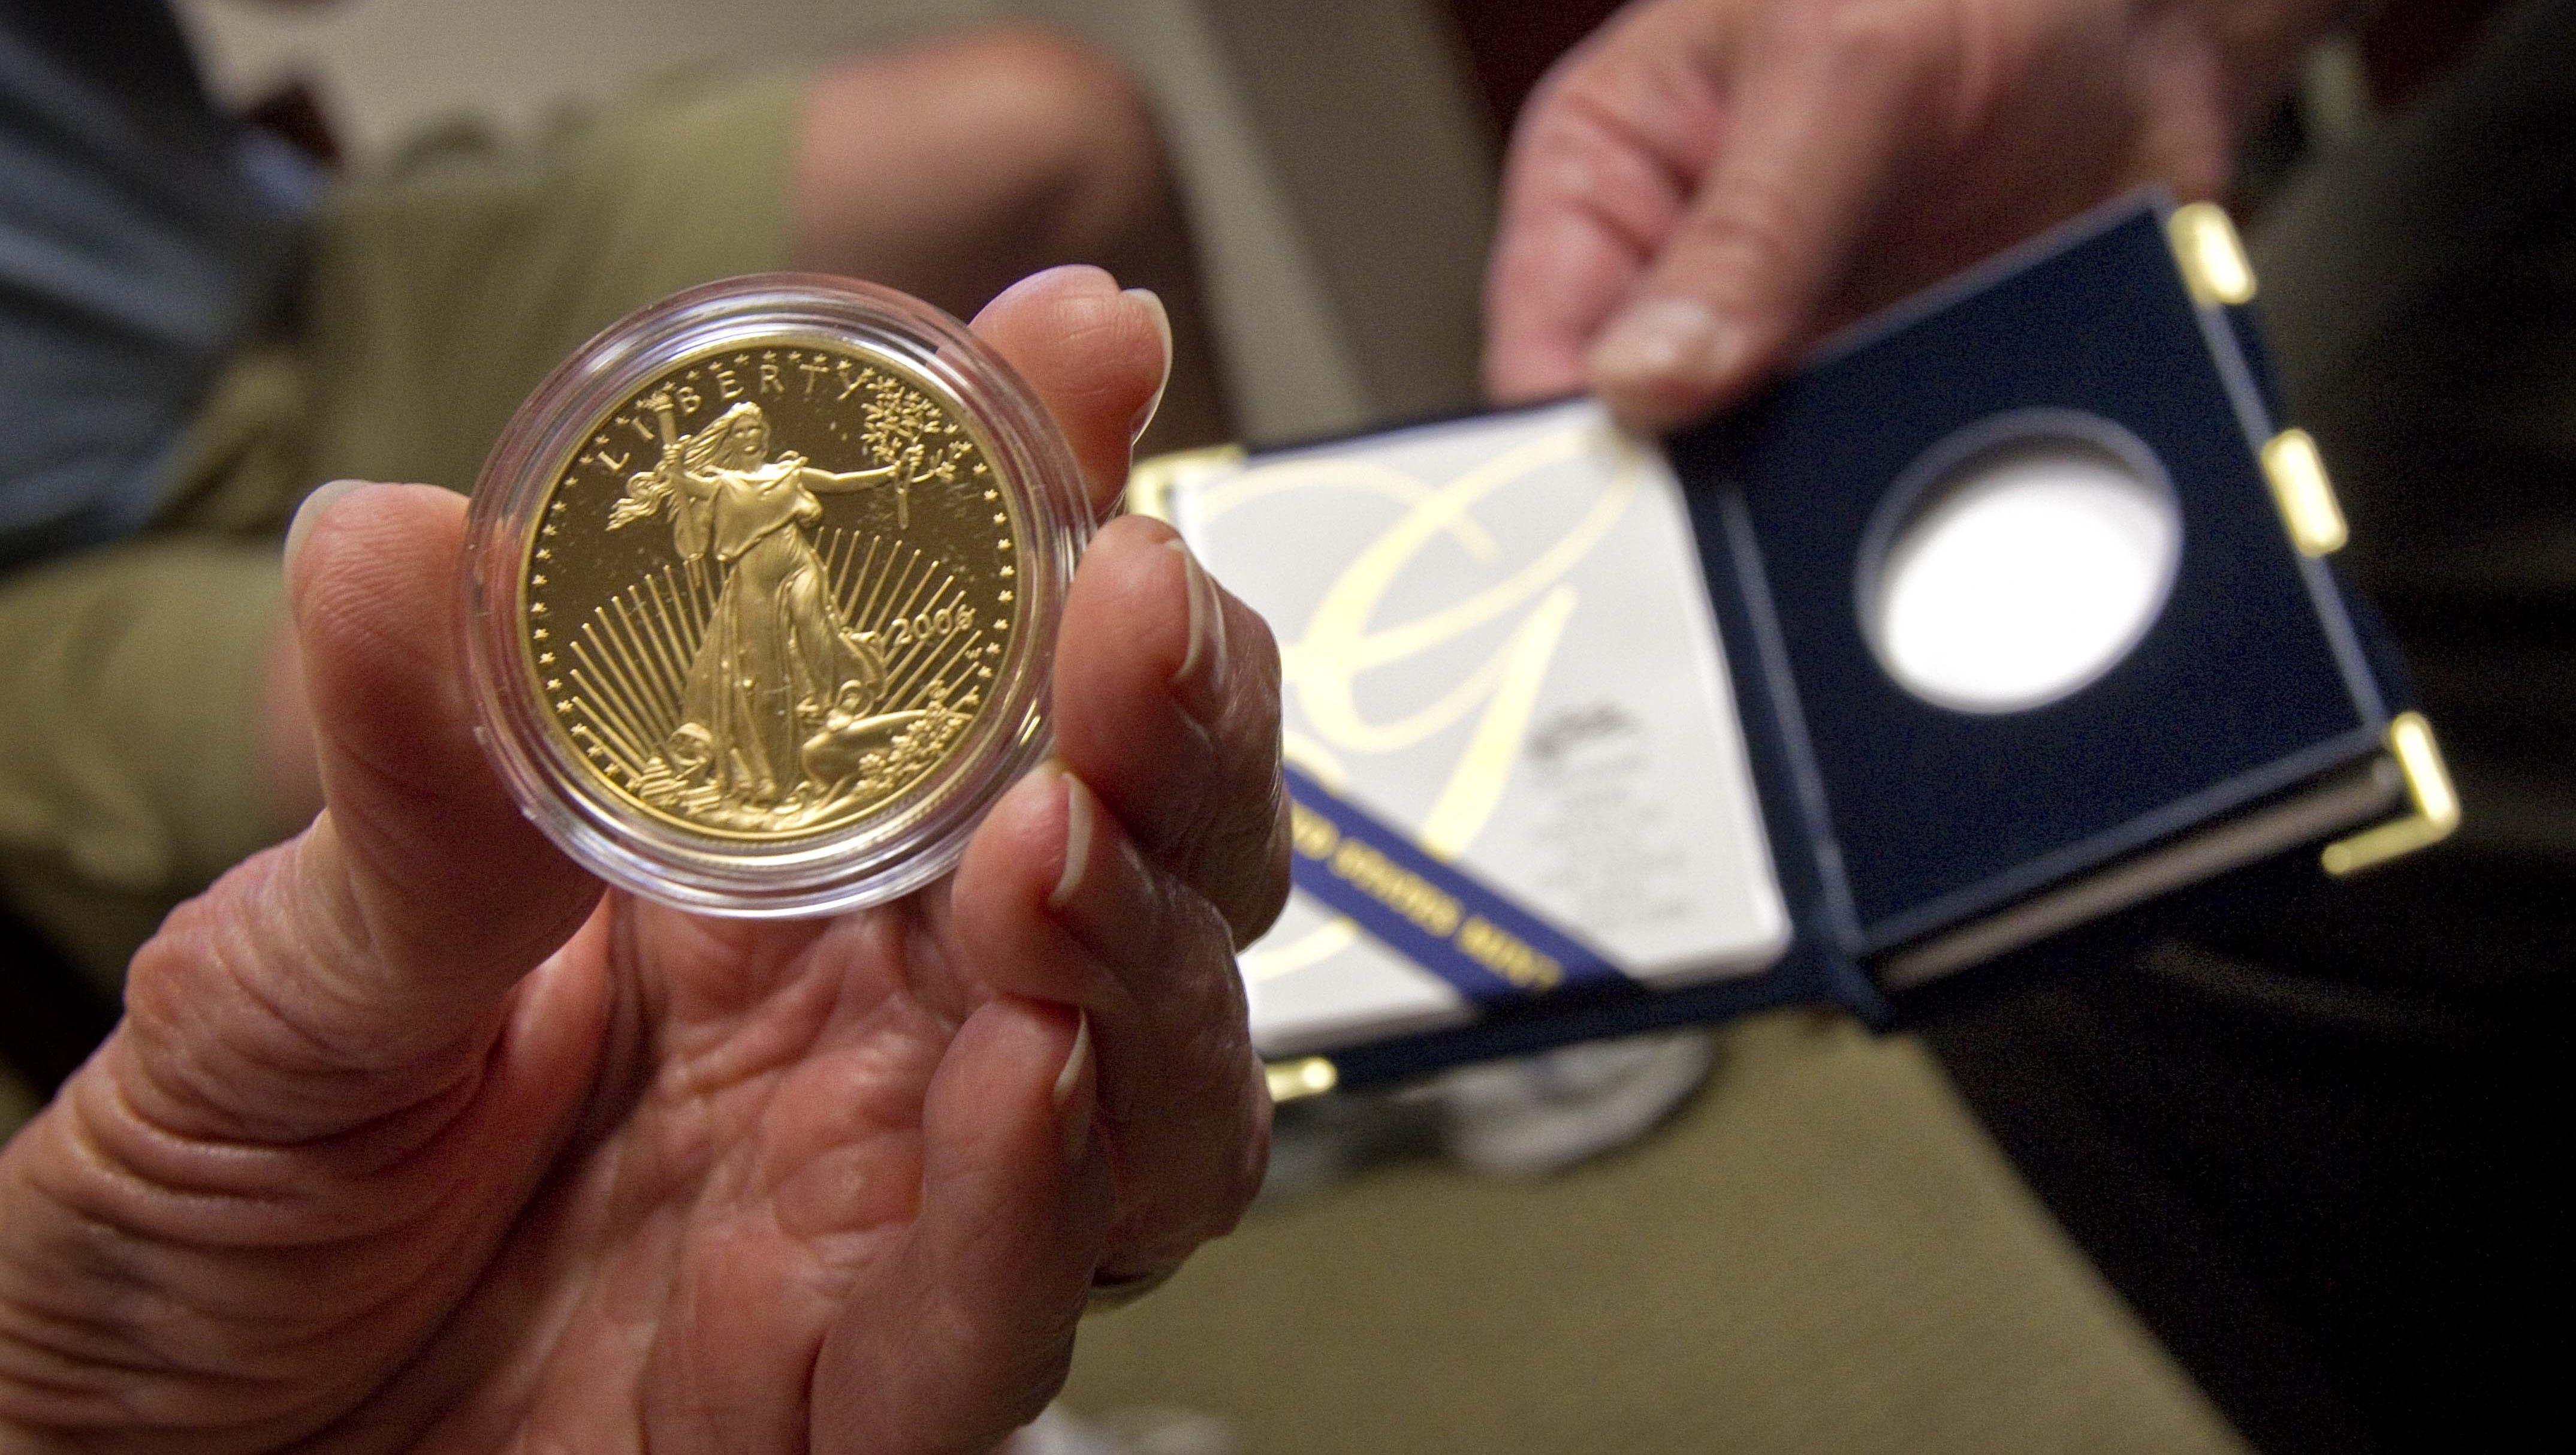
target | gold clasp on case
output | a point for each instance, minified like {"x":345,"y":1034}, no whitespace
{"x":2306,"y":498}
{"x":2212,"y":259}
{"x":1304,"y":1077}
{"x":2428,"y":788}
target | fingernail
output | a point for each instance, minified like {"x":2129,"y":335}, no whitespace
{"x":311,"y":511}
{"x":1078,"y":810}
{"x":1104,"y":895}
{"x":1163,"y":325}
{"x":1666,"y":341}
{"x":1200,"y":682}
{"x":1077,"y":1123}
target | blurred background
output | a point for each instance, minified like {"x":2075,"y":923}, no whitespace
{"x":2183,"y":1204}
{"x":1268,"y":108}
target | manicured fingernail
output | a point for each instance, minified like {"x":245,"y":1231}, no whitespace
{"x":1200,"y":682}
{"x":311,"y":511}
{"x":1077,"y":1122}
{"x":1163,"y":325}
{"x":1666,"y":341}
{"x":1078,"y":812}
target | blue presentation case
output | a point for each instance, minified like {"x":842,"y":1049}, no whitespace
{"x":2263,"y":711}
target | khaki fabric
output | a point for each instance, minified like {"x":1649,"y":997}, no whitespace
{"x":1824,"y":1253}
{"x":129,"y":772}
{"x":438,"y":297}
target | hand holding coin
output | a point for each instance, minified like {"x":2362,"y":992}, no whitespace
{"x":411,"y":1134}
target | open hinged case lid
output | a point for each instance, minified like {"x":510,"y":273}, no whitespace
{"x":1540,"y":799}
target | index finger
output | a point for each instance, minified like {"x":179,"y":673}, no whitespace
{"x":1098,"y":357}
{"x":1601,"y":170}
{"x":1827,"y":105}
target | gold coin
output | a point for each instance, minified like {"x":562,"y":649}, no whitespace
{"x":769,"y":590}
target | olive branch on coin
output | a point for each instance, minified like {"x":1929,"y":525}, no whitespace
{"x":903,"y":428}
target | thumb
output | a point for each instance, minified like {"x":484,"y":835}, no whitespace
{"x":970,"y":1331}
{"x":336,"y":977}
{"x":1821,"y":113}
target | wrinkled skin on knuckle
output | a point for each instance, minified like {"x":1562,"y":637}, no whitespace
{"x":1759,"y":236}
{"x":1252,"y":1160}
{"x":1270,"y":890}
{"x":1849,"y":39}
{"x":1238,"y":852}
{"x":1209,"y":1148}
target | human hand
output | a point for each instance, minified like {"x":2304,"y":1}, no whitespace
{"x":411,"y":1136}
{"x":1706,"y":185}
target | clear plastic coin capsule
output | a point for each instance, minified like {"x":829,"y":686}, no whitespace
{"x":763,"y":585}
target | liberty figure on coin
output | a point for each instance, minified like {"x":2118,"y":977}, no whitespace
{"x":777,"y":659}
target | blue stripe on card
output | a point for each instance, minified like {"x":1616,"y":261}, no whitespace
{"x":1436,"y":915}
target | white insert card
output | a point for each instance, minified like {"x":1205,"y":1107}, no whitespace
{"x":1496,"y":639}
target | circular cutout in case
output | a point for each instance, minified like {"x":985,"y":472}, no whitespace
{"x":763,"y":585}
{"x":2019,"y":561}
